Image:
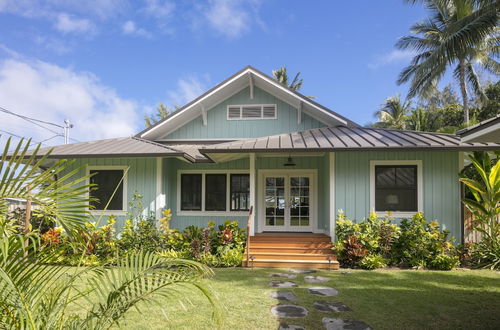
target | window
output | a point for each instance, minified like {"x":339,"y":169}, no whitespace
{"x":191,"y":192}
{"x":240,"y":192}
{"x":215,"y":192}
{"x":251,"y":111}
{"x":106,"y":181}
{"x":396,"y":188}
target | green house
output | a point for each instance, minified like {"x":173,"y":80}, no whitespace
{"x":250,"y":142}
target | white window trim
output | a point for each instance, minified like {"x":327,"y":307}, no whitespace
{"x":252,"y":105}
{"x":228,"y":194}
{"x":124,"y":196}
{"x":420,"y":186}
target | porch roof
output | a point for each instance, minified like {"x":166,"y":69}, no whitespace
{"x":343,"y":138}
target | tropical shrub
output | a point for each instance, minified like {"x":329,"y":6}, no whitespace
{"x":373,"y":261}
{"x":485,"y":207}
{"x":376,"y":243}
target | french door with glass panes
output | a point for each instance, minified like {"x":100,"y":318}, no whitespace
{"x":287,"y":202}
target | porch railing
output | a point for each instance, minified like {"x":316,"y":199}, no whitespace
{"x":249,"y":223}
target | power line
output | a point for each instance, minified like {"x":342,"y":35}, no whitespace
{"x":19,"y":137}
{"x":32,"y":120}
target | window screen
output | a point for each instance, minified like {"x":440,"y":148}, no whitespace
{"x":215,"y":192}
{"x":240,"y":192}
{"x":396,"y":188}
{"x":107,"y":181}
{"x":191,"y":192}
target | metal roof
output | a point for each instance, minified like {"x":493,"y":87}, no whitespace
{"x":118,"y":147}
{"x":488,"y":130}
{"x":343,"y":138}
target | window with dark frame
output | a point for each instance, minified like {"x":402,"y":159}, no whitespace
{"x":215,"y":192}
{"x":240,"y":192}
{"x":106,"y":182}
{"x":191,"y":192}
{"x":396,"y":188}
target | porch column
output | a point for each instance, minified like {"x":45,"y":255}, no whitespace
{"x":331,"y":184}
{"x":252,"y":192}
{"x":160,"y":196}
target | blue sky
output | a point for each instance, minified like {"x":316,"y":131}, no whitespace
{"x":105,"y":63}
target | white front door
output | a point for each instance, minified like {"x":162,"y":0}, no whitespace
{"x":287,"y":201}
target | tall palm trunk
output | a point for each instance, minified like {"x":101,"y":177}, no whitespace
{"x":463,"y":89}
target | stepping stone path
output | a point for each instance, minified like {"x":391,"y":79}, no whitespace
{"x":323,"y":291}
{"x":284,"y":326}
{"x":296,"y":311}
{"x":331,"y":307}
{"x":289,"y":311}
{"x":315,"y":279}
{"x":284,"y":275}
{"x":283,"y":295}
{"x":301,"y":271}
{"x":282,"y":284}
{"x":331,"y":323}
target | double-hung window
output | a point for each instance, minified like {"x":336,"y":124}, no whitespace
{"x":214,"y":192}
{"x":109,"y":193}
{"x":396,"y":187}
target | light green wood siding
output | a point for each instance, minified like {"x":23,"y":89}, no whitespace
{"x":440,"y":185}
{"x":141,"y":177}
{"x":218,"y":127}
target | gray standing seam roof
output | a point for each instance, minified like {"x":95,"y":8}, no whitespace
{"x":119,"y":147}
{"x":343,"y":138}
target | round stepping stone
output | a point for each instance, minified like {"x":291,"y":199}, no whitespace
{"x":323,"y":291}
{"x":289,"y":311}
{"x":331,"y":306}
{"x":301,"y":271}
{"x":284,"y":275}
{"x":282,"y":284}
{"x":346,"y":273}
{"x":341,"y":324}
{"x":284,"y":326}
{"x":283,"y":295}
{"x":315,"y":279}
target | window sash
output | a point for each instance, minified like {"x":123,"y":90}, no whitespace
{"x":240,"y":195}
{"x":107,"y":181}
{"x":191,"y":190}
{"x":215,"y":192}
{"x":404,"y":196}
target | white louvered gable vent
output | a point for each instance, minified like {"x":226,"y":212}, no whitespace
{"x":251,"y":111}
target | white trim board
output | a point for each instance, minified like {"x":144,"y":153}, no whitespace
{"x":125,"y":169}
{"x":202,"y":212}
{"x":420,"y":186}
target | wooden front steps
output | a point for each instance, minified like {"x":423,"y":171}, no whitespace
{"x":292,"y":250}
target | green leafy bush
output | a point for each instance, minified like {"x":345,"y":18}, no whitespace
{"x":376,"y":243}
{"x":373,"y":261}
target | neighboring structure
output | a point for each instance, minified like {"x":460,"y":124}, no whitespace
{"x":249,"y":141}
{"x":486,"y":131}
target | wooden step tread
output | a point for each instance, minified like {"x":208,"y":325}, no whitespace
{"x":291,"y":254}
{"x":297,"y":261}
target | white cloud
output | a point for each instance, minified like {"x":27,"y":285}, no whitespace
{"x":188,"y":89}
{"x":130,"y":28}
{"x":69,"y":24}
{"x":159,"y":9}
{"x":231,"y":18}
{"x":52,"y":93}
{"x":395,"y":56}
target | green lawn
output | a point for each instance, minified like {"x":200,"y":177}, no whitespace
{"x":387,"y":299}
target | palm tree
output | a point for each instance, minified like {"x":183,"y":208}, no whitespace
{"x":281,"y":76}
{"x":393,"y":113}
{"x":35,"y":294}
{"x":434,"y":41}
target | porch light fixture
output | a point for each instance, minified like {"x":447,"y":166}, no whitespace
{"x":289,"y":162}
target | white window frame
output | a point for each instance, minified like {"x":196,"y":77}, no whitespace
{"x":124,"y":168}
{"x":420,"y":186}
{"x":252,"y":105}
{"x":202,"y":212}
